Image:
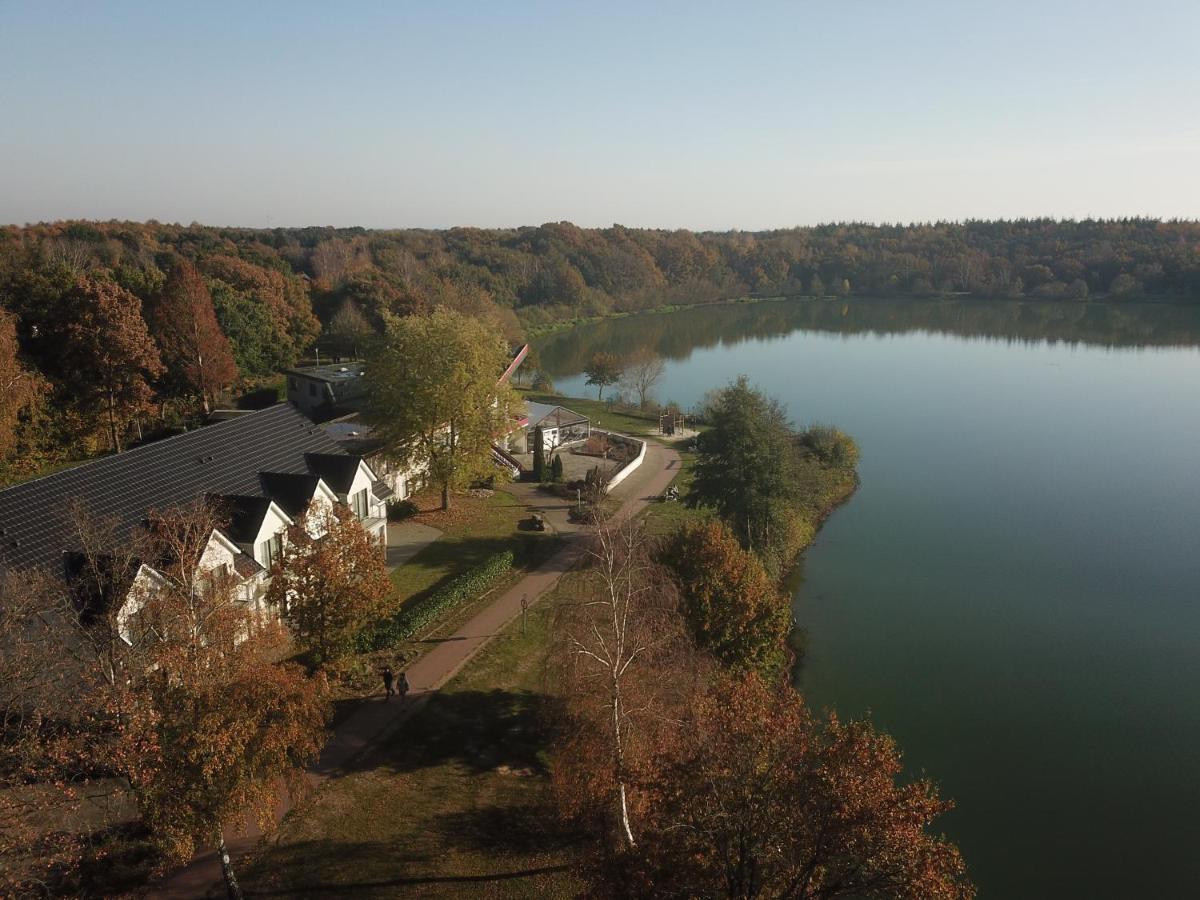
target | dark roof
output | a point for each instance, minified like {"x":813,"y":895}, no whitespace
{"x":382,"y":490}
{"x":336,"y":469}
{"x":331,"y":373}
{"x":291,"y":490}
{"x":246,"y":565}
{"x":225,"y":458}
{"x":245,"y":514}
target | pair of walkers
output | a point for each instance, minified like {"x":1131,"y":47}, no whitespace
{"x":394,"y":686}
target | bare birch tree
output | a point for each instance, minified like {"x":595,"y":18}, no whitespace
{"x":642,"y":373}
{"x":613,"y":643}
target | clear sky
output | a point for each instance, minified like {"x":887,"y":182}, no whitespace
{"x":696,"y":115}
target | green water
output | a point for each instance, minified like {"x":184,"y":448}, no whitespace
{"x":1014,"y":592}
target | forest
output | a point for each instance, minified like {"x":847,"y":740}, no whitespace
{"x":99,"y":345}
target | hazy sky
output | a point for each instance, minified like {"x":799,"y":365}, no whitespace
{"x":734,"y":115}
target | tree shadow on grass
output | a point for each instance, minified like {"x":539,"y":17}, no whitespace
{"x":480,"y":730}
{"x":527,"y":828}
{"x":372,"y":869}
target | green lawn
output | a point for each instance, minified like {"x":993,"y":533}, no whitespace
{"x":473,"y":530}
{"x":664,"y":517}
{"x":600,"y":413}
{"x":456,"y":804}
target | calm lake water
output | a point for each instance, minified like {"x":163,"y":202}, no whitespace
{"x":1014,"y":591}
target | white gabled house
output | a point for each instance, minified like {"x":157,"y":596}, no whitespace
{"x":261,"y":471}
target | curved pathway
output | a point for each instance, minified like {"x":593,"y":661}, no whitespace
{"x":374,"y":721}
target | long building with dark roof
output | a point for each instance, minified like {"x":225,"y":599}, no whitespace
{"x":263,"y":469}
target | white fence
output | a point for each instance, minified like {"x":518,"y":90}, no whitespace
{"x":629,"y":466}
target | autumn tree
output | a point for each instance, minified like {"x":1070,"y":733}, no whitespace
{"x":283,"y":298}
{"x":107,"y":353}
{"x":731,"y":606}
{"x":755,"y":797}
{"x":434,"y":397}
{"x":194,"y":350}
{"x":331,"y":582}
{"x":602,"y":370}
{"x":615,"y":645}
{"x":19,"y":387}
{"x":349,"y":329}
{"x":48,"y":748}
{"x":221,"y":727}
{"x":643,"y":371}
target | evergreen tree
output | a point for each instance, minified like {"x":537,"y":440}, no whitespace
{"x":556,"y":469}
{"x":539,"y":455}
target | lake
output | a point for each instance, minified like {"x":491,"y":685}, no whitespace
{"x":1014,"y":591}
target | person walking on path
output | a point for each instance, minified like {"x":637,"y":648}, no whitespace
{"x":388,"y":678}
{"x":402,"y":687}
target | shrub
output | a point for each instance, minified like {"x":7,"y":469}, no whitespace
{"x":556,"y":469}
{"x":831,"y":446}
{"x":415,"y":617}
{"x":399,"y":510}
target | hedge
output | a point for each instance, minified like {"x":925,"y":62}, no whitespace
{"x":412,"y":619}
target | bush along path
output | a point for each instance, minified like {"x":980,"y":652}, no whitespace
{"x":415,"y":618}
{"x":375,"y":720}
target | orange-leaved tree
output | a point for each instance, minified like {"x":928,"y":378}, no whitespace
{"x":732,"y":607}
{"x":331,"y":582}
{"x":222,"y":727}
{"x":756,"y":797}
{"x":194,"y":349}
{"x":19,"y":387}
{"x":107,"y":353}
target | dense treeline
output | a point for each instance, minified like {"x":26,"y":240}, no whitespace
{"x":270,"y":290}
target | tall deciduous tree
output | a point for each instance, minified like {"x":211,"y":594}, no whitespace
{"x":729,"y":602}
{"x":613,"y":644}
{"x":602,"y":370}
{"x":194,"y":349}
{"x":19,"y":387}
{"x":643,"y":371}
{"x":757,"y":798}
{"x":331,"y":582}
{"x":108,"y":353}
{"x":349,"y":329}
{"x":434,"y":399}
{"x":221,"y":727}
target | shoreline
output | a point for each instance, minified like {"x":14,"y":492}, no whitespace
{"x":538,"y":331}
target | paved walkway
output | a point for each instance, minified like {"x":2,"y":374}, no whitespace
{"x":375,"y":720}
{"x":406,"y":539}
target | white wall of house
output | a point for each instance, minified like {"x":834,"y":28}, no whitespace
{"x":321,"y":504}
{"x":275,"y":522}
{"x":144,"y":582}
{"x":219,"y":553}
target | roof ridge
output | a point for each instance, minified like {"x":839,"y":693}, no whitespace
{"x":132,"y":451}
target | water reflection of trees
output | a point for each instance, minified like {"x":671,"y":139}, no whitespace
{"x":676,"y":335}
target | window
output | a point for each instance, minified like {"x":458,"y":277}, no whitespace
{"x":272,"y":550}
{"x":312,"y":389}
{"x":215,"y":578}
{"x":359,"y":503}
